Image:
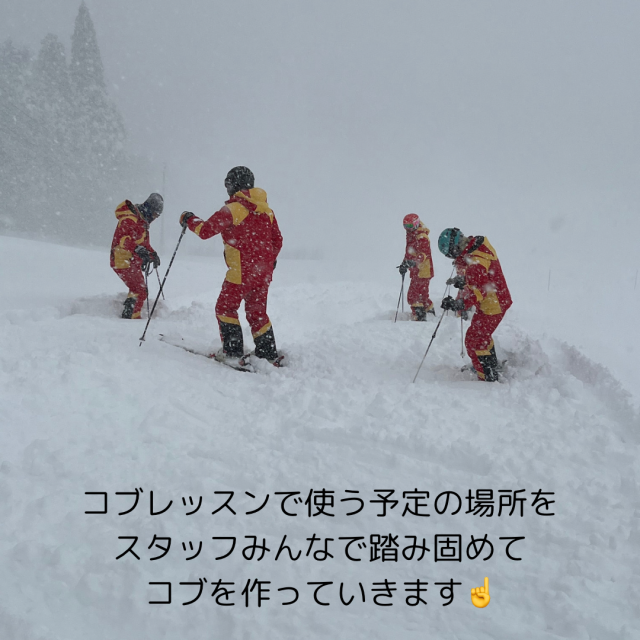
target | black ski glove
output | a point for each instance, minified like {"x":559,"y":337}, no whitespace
{"x":144,"y":253}
{"x":458,"y":282}
{"x":449,"y":304}
{"x":405,"y":266}
{"x":148,"y":257}
{"x":184,"y":218}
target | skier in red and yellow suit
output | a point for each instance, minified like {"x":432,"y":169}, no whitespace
{"x":417,"y":260}
{"x":252,"y":242}
{"x":131,"y":251}
{"x":484,"y":287}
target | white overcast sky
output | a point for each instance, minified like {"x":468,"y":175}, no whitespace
{"x":352,"y":113}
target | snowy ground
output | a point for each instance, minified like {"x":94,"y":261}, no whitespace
{"x":85,"y":409}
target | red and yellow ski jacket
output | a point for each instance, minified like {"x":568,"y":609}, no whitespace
{"x":132,"y":231}
{"x":252,"y":239}
{"x":485,"y":286}
{"x":419,"y":250}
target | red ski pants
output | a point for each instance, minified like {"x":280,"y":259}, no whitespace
{"x":255,"y":306}
{"x":134,"y":279}
{"x":479,"y":340}
{"x":418,"y":294}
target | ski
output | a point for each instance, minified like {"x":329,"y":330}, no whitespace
{"x":243,"y":363}
{"x":280,"y":361}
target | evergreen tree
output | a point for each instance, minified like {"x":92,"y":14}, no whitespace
{"x":51,"y":77}
{"x":17,"y":150}
{"x":63,"y":166}
{"x":99,"y":120}
{"x":99,"y":133}
{"x":86,"y":64}
{"x":50,"y":104}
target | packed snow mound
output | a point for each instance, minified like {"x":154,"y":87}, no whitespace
{"x":86,"y":409}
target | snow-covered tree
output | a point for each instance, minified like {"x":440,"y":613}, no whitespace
{"x":86,"y":64}
{"x":63,"y":163}
{"x":51,"y":84}
{"x":49,"y":101}
{"x":99,"y":131}
{"x":99,"y":121}
{"x":17,"y":149}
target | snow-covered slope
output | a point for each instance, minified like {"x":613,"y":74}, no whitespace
{"x":85,"y":409}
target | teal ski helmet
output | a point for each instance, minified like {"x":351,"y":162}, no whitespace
{"x":448,"y":242}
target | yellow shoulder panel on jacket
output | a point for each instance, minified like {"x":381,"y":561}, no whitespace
{"x":484,"y":257}
{"x":487,"y":244}
{"x":123,"y":212}
{"x":257,"y":197}
{"x":238,"y":212}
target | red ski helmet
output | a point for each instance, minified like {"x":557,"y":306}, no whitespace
{"x":411,"y":221}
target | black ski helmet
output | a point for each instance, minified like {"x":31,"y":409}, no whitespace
{"x":238,"y":179}
{"x":152,"y":207}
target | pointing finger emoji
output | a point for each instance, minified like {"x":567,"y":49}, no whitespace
{"x":480,"y":596}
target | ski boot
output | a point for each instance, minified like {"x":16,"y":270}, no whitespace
{"x":266,"y":348}
{"x":127,"y":311}
{"x":490,"y":365}
{"x":419,"y":314}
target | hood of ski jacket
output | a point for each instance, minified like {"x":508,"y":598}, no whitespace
{"x":485,"y":286}
{"x":255,"y":200}
{"x":419,"y":250}
{"x":251,"y":236}
{"x":131,"y":232}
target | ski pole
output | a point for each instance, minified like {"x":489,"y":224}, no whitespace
{"x":184,"y":228}
{"x":429,"y":347}
{"x":461,"y":338}
{"x":400,"y":298}
{"x":158,"y":275}
{"x":146,"y":284}
{"x":444,"y":311}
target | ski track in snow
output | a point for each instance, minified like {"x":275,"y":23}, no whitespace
{"x":86,"y":409}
